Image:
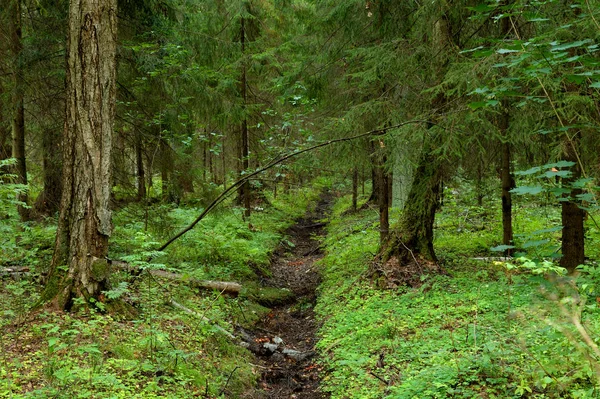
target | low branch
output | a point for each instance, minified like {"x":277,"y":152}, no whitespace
{"x":223,"y":195}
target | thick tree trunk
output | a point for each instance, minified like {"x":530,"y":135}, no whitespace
{"x":572,"y":245}
{"x":18,"y":118}
{"x":414,"y":237}
{"x":85,"y":217}
{"x":48,"y":202}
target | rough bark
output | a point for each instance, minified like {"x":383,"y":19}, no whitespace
{"x":85,"y":217}
{"x":414,"y":237}
{"x":18,"y":117}
{"x":572,"y":245}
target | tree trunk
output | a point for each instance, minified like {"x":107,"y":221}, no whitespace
{"x":508,"y":181}
{"x":48,"y":202}
{"x":354,"y":188}
{"x":383,"y":197}
{"x":166,"y":171}
{"x":18,"y":118}
{"x":414,"y":236}
{"x":5,"y":137}
{"x":85,"y":217}
{"x":139,"y":165}
{"x":479,"y":182}
{"x":572,"y":245}
{"x":375,"y":178}
{"x":244,"y":192}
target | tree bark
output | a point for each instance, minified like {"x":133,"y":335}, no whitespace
{"x":572,"y":245}
{"x":139,"y":164}
{"x":414,"y":236}
{"x":507,"y":179}
{"x":354,"y":188}
{"x":85,"y":225}
{"x":18,"y":118}
{"x":244,"y":192}
{"x":384,"y":205}
{"x":48,"y":202}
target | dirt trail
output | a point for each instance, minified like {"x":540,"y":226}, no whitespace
{"x":287,"y":335}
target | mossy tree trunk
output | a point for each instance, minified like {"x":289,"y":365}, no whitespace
{"x":79,"y":267}
{"x":413,"y":237}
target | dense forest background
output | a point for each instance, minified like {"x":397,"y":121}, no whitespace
{"x":459,"y":139}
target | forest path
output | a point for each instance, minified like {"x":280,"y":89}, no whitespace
{"x":287,"y":335}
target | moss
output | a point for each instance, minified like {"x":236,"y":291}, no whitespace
{"x":100,"y":269}
{"x":268,"y":296}
{"x":54,"y":287}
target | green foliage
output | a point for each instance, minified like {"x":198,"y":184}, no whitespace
{"x":479,"y":330}
{"x":160,"y":351}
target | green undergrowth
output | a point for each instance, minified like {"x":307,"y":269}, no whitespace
{"x":480,"y":330}
{"x":463,"y":228}
{"x":177,"y":344}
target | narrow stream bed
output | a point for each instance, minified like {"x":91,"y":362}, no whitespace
{"x":286,"y":337}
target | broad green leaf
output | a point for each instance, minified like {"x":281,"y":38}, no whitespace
{"x":527,"y":172}
{"x":559,"y":164}
{"x":588,"y":197}
{"x":544,"y":231}
{"x":536,"y":243}
{"x":527,"y":190}
{"x":501,"y":248}
{"x":560,"y":173}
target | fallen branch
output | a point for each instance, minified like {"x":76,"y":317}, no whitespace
{"x":221,"y":197}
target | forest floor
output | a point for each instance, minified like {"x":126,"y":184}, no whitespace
{"x":287,"y":335}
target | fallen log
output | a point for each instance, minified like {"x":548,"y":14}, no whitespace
{"x":227,"y":287}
